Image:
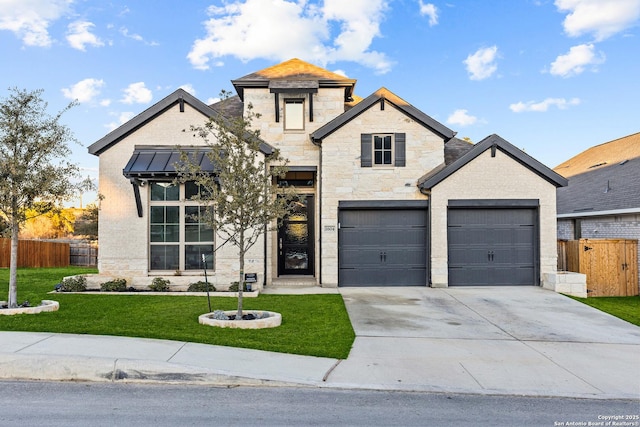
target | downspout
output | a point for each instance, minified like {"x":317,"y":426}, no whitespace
{"x":427,"y":193}
{"x":318,"y":178}
{"x":265,"y":233}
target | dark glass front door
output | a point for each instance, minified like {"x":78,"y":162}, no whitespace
{"x":295,"y":240}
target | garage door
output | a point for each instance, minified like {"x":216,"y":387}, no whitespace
{"x":382,"y":247}
{"x":492,"y":246}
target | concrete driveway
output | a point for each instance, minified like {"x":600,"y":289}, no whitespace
{"x":515,"y":340}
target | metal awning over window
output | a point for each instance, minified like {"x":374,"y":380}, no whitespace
{"x":158,"y":163}
{"x":150,"y":163}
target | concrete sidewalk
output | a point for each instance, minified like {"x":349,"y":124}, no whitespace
{"x":513,"y":341}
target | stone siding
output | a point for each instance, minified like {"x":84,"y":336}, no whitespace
{"x":344,"y":179}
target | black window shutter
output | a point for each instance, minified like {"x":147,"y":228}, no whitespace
{"x":365,"y":150}
{"x":400,"y":155}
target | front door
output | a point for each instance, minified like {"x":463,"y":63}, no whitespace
{"x":295,"y":240}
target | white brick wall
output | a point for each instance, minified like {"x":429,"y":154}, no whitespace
{"x":123,"y":236}
{"x":488,"y":177}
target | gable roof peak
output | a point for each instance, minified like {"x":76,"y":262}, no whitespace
{"x":178,"y":96}
{"x":294,"y":69}
{"x":380,"y":96}
{"x":492,"y":142}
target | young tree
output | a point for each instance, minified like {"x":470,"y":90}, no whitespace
{"x":240,"y":195}
{"x":34,"y":166}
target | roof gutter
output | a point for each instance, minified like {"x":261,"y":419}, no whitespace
{"x":599,"y":213}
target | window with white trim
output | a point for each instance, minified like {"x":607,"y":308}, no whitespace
{"x":178,"y":236}
{"x":294,"y":114}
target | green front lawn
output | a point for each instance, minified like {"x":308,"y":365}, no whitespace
{"x":314,"y":325}
{"x":626,"y":308}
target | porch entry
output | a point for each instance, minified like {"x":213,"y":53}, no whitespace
{"x":296,"y":240}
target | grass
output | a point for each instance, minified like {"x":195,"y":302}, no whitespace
{"x":314,"y":325}
{"x":626,"y":308}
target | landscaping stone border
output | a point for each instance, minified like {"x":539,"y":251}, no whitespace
{"x":274,"y":320}
{"x":251,"y":294}
{"x":46,"y":305}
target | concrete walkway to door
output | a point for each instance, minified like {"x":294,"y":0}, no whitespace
{"x":503,"y":340}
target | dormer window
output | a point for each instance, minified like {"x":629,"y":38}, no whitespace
{"x":294,"y":114}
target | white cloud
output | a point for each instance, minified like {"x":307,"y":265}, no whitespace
{"x":79,"y":35}
{"x":481,"y":64}
{"x":122,"y":119}
{"x":137,"y":37}
{"x":245,"y":29}
{"x":602,"y":18}
{"x":575,"y":61}
{"x":29,"y":20}
{"x":137,"y":93}
{"x":543,"y":106}
{"x":212,"y":100}
{"x":105,"y":102}
{"x":84,"y":91}
{"x":461,"y":118}
{"x":189,"y":88}
{"x":430,"y":10}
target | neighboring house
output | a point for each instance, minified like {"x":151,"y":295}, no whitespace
{"x":602,"y":199}
{"x":392,"y":197}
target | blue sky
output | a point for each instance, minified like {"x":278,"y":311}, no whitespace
{"x":551,"y":77}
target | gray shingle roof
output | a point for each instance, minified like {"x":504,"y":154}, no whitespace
{"x":383,"y":95}
{"x":603,"y":178}
{"x":606,"y":188}
{"x":454,"y":149}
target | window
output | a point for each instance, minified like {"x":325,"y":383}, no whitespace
{"x":178,"y":235}
{"x":294,"y":114}
{"x":297,"y":179}
{"x":382,"y":150}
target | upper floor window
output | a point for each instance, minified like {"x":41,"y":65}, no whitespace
{"x":294,"y":114}
{"x":382,"y":150}
{"x":386,"y":149}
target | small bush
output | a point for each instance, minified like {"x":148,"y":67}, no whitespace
{"x":74,"y":284}
{"x":234,"y":287}
{"x":115,"y":285}
{"x":159,"y":285}
{"x":200,"y":287}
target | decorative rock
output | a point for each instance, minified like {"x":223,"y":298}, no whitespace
{"x":46,"y":305}
{"x":262,"y":319}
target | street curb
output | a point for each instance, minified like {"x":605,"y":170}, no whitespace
{"x":105,"y":370}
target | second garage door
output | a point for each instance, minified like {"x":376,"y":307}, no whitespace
{"x":492,"y":246}
{"x":382,"y":247}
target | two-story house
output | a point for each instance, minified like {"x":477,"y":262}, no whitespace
{"x":392,"y":197}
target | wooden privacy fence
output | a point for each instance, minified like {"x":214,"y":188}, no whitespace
{"x":611,"y":265}
{"x":84,"y":254}
{"x":35,"y":253}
